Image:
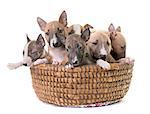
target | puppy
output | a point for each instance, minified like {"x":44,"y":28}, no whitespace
{"x":99,"y":46}
{"x":76,"y":49}
{"x":55,"y":34}
{"x":33,"y":53}
{"x":118,"y":42}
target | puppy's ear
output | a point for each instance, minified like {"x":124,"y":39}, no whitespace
{"x":118,"y":29}
{"x":40,"y":41}
{"x":111,"y":28}
{"x":112,"y":31}
{"x":88,"y":26}
{"x":63,"y":18}
{"x":86,"y":34}
{"x":41,"y":23}
{"x":28,"y":39}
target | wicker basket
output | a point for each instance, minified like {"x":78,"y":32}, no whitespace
{"x":81,"y":86}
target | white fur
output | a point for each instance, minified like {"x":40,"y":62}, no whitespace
{"x":103,"y":64}
{"x":55,"y":62}
{"x":26,"y":50}
{"x":12,"y":66}
{"x":103,"y":50}
{"x":126,"y":60}
{"x":57,"y":56}
{"x":77,"y":29}
{"x":74,"y":59}
{"x":53,"y":41}
{"x":40,"y":61}
{"x":26,"y":59}
{"x":69,"y":66}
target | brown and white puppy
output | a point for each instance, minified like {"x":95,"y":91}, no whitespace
{"x":118,"y":42}
{"x":55,"y":34}
{"x":99,"y":46}
{"x":77,"y":50}
{"x":33,"y":53}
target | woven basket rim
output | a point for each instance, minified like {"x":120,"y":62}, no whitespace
{"x":94,"y":67}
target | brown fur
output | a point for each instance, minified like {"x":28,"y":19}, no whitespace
{"x":118,"y":42}
{"x":97,"y":39}
{"x":76,"y":48}
{"x":53,"y":28}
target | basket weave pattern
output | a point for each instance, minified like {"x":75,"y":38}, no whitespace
{"x":83,"y":85}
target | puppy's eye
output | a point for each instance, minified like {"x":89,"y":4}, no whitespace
{"x":47,"y":33}
{"x":108,"y":43}
{"x":123,"y":47}
{"x":23,"y":52}
{"x":68,"y":48}
{"x":71,"y":32}
{"x":95,"y":43}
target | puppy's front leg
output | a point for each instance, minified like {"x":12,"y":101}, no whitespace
{"x":68,"y":65}
{"x":103,"y":64}
{"x":65,"y":61}
{"x":40,"y":61}
{"x":126,"y":60}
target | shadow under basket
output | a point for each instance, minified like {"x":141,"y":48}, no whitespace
{"x":83,"y":86}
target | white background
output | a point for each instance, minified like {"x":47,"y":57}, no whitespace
{"x":18,"y":17}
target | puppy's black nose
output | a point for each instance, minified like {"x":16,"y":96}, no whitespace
{"x":103,"y":57}
{"x":25,"y":64}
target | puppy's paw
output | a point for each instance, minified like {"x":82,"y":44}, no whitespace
{"x":103,"y":64}
{"x":55,"y":62}
{"x":126,"y":60}
{"x":68,"y":66}
{"x":40,"y":61}
{"x":13,"y":66}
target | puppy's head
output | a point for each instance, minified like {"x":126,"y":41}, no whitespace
{"x":99,"y":45}
{"x":118,"y":42}
{"x":55,"y":31}
{"x":75,"y":46}
{"x":33,"y":50}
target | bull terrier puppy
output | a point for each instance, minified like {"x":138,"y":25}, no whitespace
{"x":55,"y":34}
{"x":118,"y":42}
{"x":33,"y":53}
{"x":77,"y":50}
{"x":99,"y":46}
